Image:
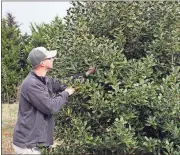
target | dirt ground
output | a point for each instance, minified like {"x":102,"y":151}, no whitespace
{"x":9,"y":117}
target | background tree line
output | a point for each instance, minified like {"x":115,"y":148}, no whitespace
{"x":15,"y":49}
{"x":131,"y":105}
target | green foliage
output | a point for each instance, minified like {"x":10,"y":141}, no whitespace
{"x":131,"y":104}
{"x":11,"y":39}
{"x":45,"y":34}
{"x":15,"y":50}
{"x":142,"y":28}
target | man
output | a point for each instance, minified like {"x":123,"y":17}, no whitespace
{"x":38,"y":102}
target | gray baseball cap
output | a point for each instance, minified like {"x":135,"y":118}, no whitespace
{"x":39,"y":54}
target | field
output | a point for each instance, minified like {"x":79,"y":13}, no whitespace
{"x":9,"y":117}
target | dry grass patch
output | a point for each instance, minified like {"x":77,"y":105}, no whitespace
{"x":9,"y":117}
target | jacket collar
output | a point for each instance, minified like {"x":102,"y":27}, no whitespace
{"x":41,"y":78}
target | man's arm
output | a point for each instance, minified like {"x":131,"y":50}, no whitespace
{"x":41,"y":99}
{"x":59,"y":86}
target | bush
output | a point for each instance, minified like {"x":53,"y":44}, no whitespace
{"x":131,"y":105}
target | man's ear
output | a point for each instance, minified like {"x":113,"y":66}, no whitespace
{"x":42,"y":63}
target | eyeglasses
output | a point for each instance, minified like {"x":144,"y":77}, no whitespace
{"x":52,"y":58}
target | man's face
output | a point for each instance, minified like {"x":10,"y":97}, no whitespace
{"x":48,"y":63}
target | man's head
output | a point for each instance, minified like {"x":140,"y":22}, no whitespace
{"x":40,"y":56}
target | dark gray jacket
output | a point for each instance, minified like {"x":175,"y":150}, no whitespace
{"x":38,"y":102}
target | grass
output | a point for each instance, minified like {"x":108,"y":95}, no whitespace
{"x":9,"y":117}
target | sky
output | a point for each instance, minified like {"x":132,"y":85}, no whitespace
{"x":34,"y":12}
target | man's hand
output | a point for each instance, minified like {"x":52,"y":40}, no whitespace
{"x":91,"y":70}
{"x":70,"y":90}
